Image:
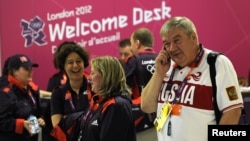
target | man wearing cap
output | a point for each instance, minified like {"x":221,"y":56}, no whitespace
{"x":19,"y":99}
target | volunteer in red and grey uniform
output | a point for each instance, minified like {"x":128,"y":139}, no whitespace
{"x":181,"y":85}
{"x":19,"y":98}
{"x":139,"y":69}
{"x":75,"y":95}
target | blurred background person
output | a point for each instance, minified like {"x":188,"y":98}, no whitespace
{"x":138,"y":70}
{"x":19,"y":99}
{"x":125,"y":49}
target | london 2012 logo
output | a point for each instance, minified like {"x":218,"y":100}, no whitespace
{"x":32,"y":32}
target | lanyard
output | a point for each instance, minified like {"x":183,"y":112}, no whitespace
{"x":87,"y":116}
{"x":83,"y":126}
{"x":94,"y":105}
{"x":68,"y":97}
{"x":184,"y":82}
{"x":31,"y":97}
{"x":72,"y":104}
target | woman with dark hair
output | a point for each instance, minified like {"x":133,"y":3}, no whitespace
{"x":74,"y":96}
{"x":59,"y":78}
{"x":55,"y":81}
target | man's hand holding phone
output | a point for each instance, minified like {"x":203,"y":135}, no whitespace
{"x":162,"y":62}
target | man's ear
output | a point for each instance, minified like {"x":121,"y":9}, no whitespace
{"x":15,"y":72}
{"x":193,"y":36}
{"x":137,"y":43}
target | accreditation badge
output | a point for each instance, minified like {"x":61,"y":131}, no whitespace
{"x":161,"y":119}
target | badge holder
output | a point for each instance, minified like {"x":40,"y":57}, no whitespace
{"x":160,"y":120}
